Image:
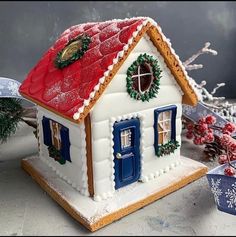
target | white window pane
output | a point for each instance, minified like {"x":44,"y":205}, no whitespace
{"x":167,"y":125}
{"x":126,"y":138}
{"x":167,"y":136}
{"x":55,"y":134}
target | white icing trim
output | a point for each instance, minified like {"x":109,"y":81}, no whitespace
{"x":39,"y":132}
{"x":190,"y":82}
{"x":157,"y":173}
{"x":76,"y":115}
{"x":103,"y":196}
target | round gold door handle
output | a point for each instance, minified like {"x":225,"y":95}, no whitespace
{"x":118,"y":155}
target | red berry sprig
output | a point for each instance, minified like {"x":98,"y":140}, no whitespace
{"x":202,"y":132}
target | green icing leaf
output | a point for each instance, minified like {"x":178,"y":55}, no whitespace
{"x":168,"y":148}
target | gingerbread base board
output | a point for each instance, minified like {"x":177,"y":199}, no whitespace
{"x":95,"y":215}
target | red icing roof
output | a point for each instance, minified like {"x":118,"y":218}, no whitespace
{"x":64,"y":90}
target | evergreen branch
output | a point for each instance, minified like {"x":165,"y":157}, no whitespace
{"x":11,"y":113}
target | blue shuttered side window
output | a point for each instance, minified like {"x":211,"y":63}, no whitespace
{"x":64,"y":152}
{"x":169,"y":146}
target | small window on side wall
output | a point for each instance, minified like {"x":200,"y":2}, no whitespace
{"x":56,"y":138}
{"x":165,"y":130}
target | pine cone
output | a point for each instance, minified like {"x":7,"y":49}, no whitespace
{"x":213,"y":149}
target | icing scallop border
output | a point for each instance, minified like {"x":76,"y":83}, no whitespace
{"x":112,"y":120}
{"x":86,"y":102}
{"x":157,"y":173}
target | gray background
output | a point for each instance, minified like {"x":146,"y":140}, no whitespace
{"x":28,"y":29}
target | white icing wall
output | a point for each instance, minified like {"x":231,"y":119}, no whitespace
{"x":74,"y":172}
{"x":116,"y":104}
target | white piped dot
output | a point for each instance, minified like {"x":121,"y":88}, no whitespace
{"x":92,"y":94}
{"x":97,"y":198}
{"x":86,"y":102}
{"x":96,"y":88}
{"x":110,"y":67}
{"x":126,"y":47}
{"x":135,"y":34}
{"x":151,"y":176}
{"x":157,"y":174}
{"x":104,"y":195}
{"x":121,"y":54}
{"x":119,"y":118}
{"x":102,"y":79}
{"x":130,"y":41}
{"x":145,"y":179}
{"x":139,"y":27}
{"x":166,"y":169}
{"x":81,"y":109}
{"x":106,"y":73}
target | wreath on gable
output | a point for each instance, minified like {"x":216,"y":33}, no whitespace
{"x":143,"y":78}
{"x":73,"y":51}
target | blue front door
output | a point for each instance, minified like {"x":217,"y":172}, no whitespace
{"x":126,"y":152}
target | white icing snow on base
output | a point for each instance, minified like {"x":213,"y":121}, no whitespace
{"x":92,"y":211}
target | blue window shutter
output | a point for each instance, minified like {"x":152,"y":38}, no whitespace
{"x":65,"y":143}
{"x":47,"y":138}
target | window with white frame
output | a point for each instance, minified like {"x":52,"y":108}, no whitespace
{"x":164,"y":127}
{"x":126,"y":138}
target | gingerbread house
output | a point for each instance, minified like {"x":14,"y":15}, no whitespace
{"x":109,"y":97}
